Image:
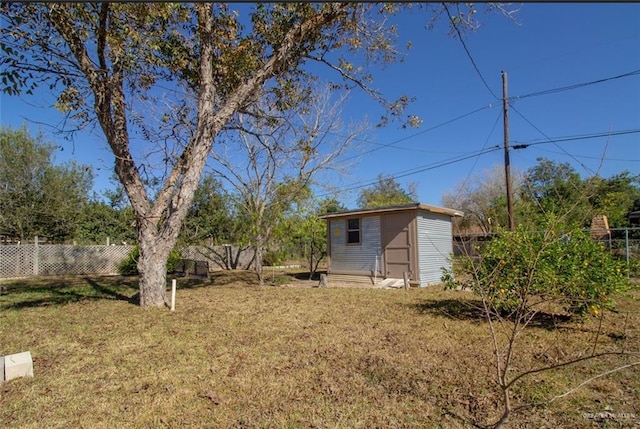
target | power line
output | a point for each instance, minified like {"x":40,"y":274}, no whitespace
{"x":514,"y":98}
{"x":446,"y":162}
{"x":574,"y":86}
{"x":419,"y":169}
{"x":395,"y":142}
{"x":594,"y":157}
{"x":464,"y":45}
{"x":525,"y":145}
{"x":551,"y":141}
{"x":381,"y":145}
{"x":464,"y":182}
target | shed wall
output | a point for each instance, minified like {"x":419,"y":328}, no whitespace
{"x":359,"y":257}
{"x":435,"y":245}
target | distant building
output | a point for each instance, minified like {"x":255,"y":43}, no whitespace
{"x":600,"y":228}
{"x":383,"y":243}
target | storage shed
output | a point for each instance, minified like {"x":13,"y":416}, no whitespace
{"x":383,"y":243}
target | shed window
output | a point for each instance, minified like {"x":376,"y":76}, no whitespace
{"x":353,"y":231}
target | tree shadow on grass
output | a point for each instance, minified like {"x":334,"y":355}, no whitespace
{"x":55,"y":291}
{"x":113,"y":292}
{"x":233,"y":278}
{"x":455,"y":309}
{"x":304,"y":275}
{"x":42,"y":292}
{"x":472,"y":310}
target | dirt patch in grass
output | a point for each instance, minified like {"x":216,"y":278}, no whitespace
{"x":235,"y":355}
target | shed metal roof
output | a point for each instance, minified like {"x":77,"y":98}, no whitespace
{"x":391,"y":209}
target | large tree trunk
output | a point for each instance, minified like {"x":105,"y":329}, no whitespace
{"x":153,"y":279}
{"x":259,"y":254}
{"x":152,"y":266}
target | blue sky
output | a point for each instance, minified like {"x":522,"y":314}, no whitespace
{"x":554,"y":46}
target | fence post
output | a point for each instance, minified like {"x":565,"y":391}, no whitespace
{"x":626,"y":249}
{"x":36,"y":256}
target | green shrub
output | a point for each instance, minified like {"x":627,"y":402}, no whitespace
{"x":282,"y":279}
{"x":129,"y":267}
{"x":518,"y":269}
{"x":272,"y":258}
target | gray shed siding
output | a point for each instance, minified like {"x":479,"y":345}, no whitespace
{"x":435,"y":246}
{"x":360,"y":257}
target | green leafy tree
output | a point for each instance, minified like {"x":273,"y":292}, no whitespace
{"x":108,"y":217}
{"x":38,"y":197}
{"x":331,"y":205}
{"x":522,"y":276}
{"x":209,"y":219}
{"x":100,"y":221}
{"x":106,"y":63}
{"x":614,"y":197}
{"x":306,"y":233}
{"x":520,"y":271}
{"x":386,"y":192}
{"x":552,"y":188}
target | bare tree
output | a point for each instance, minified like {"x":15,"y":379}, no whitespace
{"x":270,"y":161}
{"x":482,"y":199}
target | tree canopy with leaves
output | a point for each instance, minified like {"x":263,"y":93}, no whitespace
{"x":386,"y":192}
{"x":615,"y":197}
{"x":36,"y":196}
{"x":552,"y":187}
{"x":208,"y":220}
{"x":165,"y":80}
{"x":548,"y":188}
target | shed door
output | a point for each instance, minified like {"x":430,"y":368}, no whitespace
{"x":396,"y":244}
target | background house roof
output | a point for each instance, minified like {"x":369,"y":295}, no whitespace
{"x":390,"y":209}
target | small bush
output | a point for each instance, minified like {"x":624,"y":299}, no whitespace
{"x":129,"y":267}
{"x":272,"y":258}
{"x":281,"y":280}
{"x":519,"y":268}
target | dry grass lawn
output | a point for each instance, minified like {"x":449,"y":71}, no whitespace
{"x":233,"y":355}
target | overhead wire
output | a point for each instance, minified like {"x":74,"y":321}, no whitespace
{"x":475,"y":162}
{"x":587,"y":169}
{"x":513,"y":98}
{"x":524,"y":145}
{"x":574,"y":86}
{"x":395,"y":142}
{"x":464,"y":45}
{"x":594,"y":157}
{"x":417,"y":170}
{"x":580,"y":137}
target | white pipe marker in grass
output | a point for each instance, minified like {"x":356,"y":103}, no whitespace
{"x":173,"y":295}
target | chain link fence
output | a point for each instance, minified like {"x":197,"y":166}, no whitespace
{"x":621,"y":242}
{"x":27,"y":260}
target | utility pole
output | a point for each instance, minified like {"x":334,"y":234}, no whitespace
{"x":507,"y":163}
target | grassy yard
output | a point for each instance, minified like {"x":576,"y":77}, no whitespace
{"x":233,"y":355}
